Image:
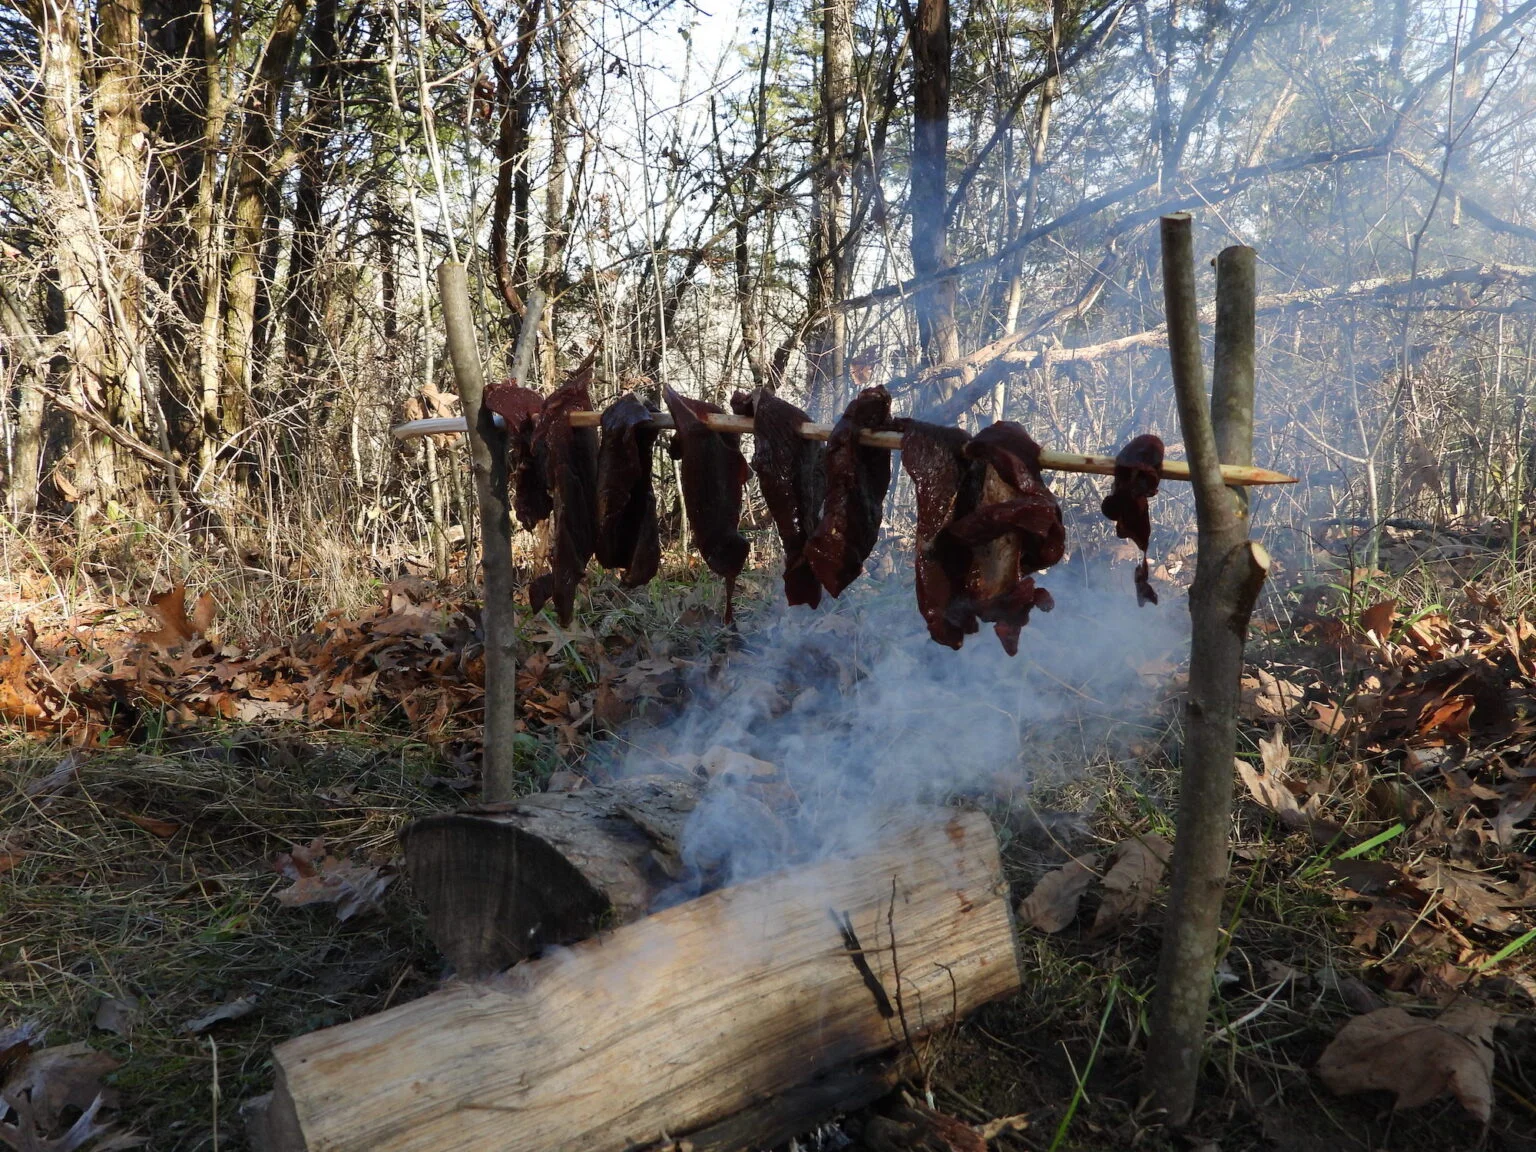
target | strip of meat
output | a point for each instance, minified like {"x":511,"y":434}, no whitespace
{"x":1136,"y":481}
{"x":790,"y":473}
{"x":569,"y":459}
{"x":627,"y":535}
{"x":857,"y":481}
{"x":947,"y":485}
{"x":1015,"y":530}
{"x":519,"y":408}
{"x":714,"y":471}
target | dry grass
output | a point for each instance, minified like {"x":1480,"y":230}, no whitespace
{"x":101,"y":907}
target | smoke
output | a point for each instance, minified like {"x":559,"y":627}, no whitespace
{"x":834,"y":722}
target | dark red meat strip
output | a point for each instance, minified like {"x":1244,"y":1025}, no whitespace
{"x":857,"y":480}
{"x":790,"y":473}
{"x":568,"y":457}
{"x":519,"y":407}
{"x":1015,"y":530}
{"x":714,"y":471}
{"x":627,"y":536}
{"x":1136,"y":480}
{"x":947,"y":485}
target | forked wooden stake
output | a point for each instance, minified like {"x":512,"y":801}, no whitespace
{"x":1236,"y":475}
{"x":1229,"y":573}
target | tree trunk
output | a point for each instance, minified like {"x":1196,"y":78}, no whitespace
{"x":120,"y":146}
{"x":208,"y":228}
{"x":827,"y":344}
{"x":27,"y":449}
{"x":254,"y":185}
{"x":509,"y":208}
{"x":935,"y":302}
{"x":176,"y":112}
{"x":304,"y":336}
{"x":1229,"y":572}
{"x":560,"y":20}
{"x":86,"y":314}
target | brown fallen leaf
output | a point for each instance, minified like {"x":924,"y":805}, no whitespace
{"x":1479,"y":899}
{"x":1269,"y":787}
{"x":1329,"y":719}
{"x":320,"y":878}
{"x":234,"y":1010}
{"x":718,"y":761}
{"x":609,"y":708}
{"x":1266,"y":697}
{"x":116,"y":1014}
{"x":177,"y":628}
{"x":1415,"y":1059}
{"x":1052,"y":905}
{"x":1131,"y":882}
{"x":164,"y":829}
{"x":16,"y":1044}
{"x":1378,"y":618}
{"x":52,"y":1082}
{"x":992,"y":1129}
{"x":1450,"y":717}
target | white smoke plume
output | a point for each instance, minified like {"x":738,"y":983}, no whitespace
{"x":867,"y":718}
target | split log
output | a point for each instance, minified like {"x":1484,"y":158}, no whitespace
{"x":737,"y":1001}
{"x":504,"y":881}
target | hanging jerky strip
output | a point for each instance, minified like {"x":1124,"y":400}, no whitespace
{"x":714,"y":471}
{"x":857,"y":480}
{"x":1015,"y":530}
{"x":1136,"y":479}
{"x":627,"y":536}
{"x":519,"y":408}
{"x":947,"y":485}
{"x":790,"y":473}
{"x":569,"y":459}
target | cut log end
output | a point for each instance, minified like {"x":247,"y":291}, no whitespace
{"x":506,"y":881}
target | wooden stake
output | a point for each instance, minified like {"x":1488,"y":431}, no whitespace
{"x":1049,"y":459}
{"x":1229,"y":572}
{"x":488,"y":459}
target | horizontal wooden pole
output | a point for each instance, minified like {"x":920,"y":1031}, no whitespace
{"x":1049,"y":459}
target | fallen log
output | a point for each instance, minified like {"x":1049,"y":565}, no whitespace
{"x":502,"y":882}
{"x":742,"y":1001}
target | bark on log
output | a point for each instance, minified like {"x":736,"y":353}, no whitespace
{"x":725,"y":1004}
{"x":504,"y":881}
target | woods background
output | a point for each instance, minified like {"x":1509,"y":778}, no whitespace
{"x":220,"y":223}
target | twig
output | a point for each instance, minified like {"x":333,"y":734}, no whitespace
{"x":855,"y":951}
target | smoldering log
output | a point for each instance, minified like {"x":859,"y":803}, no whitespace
{"x":745,"y":1001}
{"x":504,"y":881}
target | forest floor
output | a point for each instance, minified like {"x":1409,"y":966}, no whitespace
{"x":168,"y":915}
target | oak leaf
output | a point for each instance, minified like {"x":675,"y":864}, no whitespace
{"x":177,"y":628}
{"x":1416,"y":1060}
{"x":320,"y":878}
